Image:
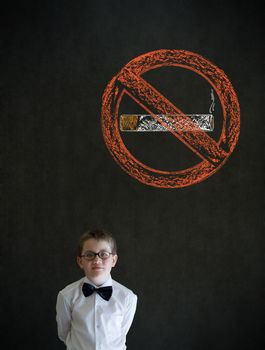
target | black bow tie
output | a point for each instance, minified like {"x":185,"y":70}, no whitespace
{"x":104,"y":292}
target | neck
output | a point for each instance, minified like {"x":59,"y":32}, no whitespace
{"x":99,"y":282}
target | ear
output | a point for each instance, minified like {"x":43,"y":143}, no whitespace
{"x":79,"y":262}
{"x":114,"y":259}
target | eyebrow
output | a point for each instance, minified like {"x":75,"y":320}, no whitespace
{"x":91,"y":251}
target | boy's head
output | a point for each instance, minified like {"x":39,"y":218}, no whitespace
{"x":96,"y":255}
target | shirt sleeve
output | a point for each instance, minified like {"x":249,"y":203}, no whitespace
{"x":129,"y":313}
{"x":63,"y":317}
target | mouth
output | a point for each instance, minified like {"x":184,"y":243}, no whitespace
{"x":97,"y":268}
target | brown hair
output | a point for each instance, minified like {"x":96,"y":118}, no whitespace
{"x":98,"y":235}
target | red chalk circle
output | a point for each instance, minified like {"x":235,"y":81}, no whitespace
{"x":213,"y":154}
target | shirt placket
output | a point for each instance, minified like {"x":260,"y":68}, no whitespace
{"x":98,"y":345}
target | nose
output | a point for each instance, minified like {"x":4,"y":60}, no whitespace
{"x":97,"y":259}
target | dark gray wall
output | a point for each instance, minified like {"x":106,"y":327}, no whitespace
{"x":194,"y":256}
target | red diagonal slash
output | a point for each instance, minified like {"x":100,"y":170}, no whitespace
{"x":155,"y":103}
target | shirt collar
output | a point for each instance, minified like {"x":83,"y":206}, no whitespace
{"x":105,"y":284}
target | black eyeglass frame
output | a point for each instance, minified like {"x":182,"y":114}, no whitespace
{"x":97,"y":254}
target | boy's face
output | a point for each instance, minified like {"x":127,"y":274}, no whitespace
{"x":97,"y":270}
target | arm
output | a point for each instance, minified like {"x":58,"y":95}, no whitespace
{"x":129,"y":313}
{"x":63,"y":317}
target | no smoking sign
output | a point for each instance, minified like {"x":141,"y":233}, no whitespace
{"x":211,"y":154}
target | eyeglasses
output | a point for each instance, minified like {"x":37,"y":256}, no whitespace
{"x":91,"y":255}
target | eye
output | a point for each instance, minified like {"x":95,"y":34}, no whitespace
{"x":89,"y":255}
{"x":103,"y":254}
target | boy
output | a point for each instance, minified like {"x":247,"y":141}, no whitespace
{"x":96,"y":312}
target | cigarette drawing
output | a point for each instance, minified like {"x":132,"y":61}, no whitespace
{"x":147,"y":123}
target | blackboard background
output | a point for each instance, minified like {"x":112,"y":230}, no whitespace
{"x":194,"y":256}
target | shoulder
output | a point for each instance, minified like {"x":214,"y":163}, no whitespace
{"x":71,"y":289}
{"x":121,"y":291}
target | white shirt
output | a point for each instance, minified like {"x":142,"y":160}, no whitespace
{"x":92,"y":323}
